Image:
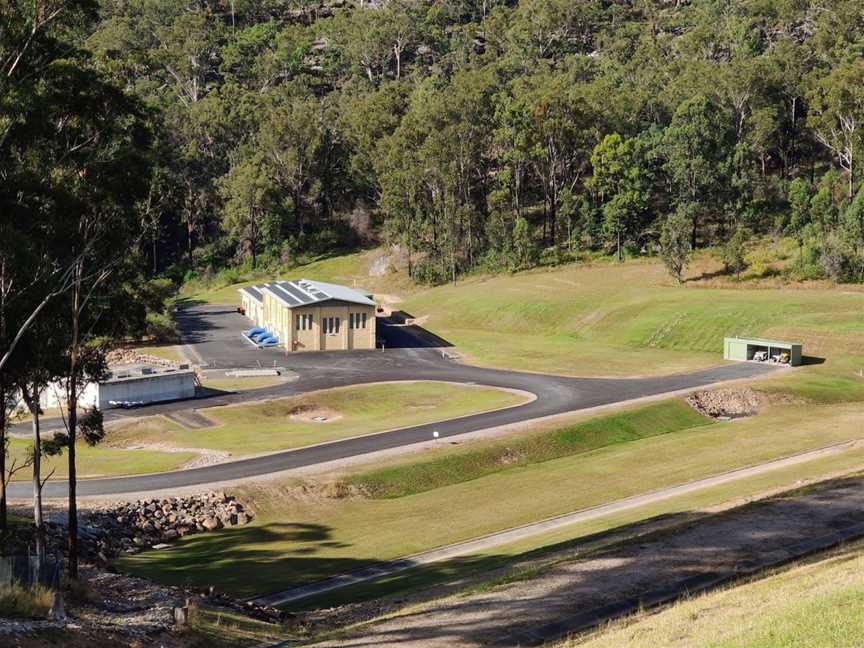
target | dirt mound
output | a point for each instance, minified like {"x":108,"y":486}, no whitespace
{"x":731,"y":403}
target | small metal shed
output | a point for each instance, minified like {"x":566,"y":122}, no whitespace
{"x":761,"y":350}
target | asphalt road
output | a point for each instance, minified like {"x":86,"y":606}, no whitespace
{"x":213,"y":339}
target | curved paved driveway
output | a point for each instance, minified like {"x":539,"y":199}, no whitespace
{"x":213,"y":338}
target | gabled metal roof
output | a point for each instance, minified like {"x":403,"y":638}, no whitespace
{"x":304,"y":292}
{"x":253,"y":291}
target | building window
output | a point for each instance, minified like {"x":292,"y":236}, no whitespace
{"x":297,"y":321}
{"x":357,"y":320}
{"x":303,"y":322}
{"x":331,"y":325}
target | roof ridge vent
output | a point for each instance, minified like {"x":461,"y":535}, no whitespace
{"x":312,"y":288}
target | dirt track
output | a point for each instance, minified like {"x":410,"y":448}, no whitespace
{"x":570,"y":595}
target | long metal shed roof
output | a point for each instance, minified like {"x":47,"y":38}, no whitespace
{"x":763,"y":341}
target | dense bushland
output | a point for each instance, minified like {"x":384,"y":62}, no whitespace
{"x":495,"y":134}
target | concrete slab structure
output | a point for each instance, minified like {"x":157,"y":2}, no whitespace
{"x":134,"y":383}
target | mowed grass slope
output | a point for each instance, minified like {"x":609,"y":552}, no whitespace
{"x":812,"y":605}
{"x":606,"y":318}
{"x":627,"y":320}
{"x":299,"y":537}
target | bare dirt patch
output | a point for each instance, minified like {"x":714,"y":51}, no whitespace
{"x":305,"y":491}
{"x":313,"y":414}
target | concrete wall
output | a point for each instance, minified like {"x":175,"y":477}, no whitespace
{"x":148,"y":389}
{"x":55,"y":396}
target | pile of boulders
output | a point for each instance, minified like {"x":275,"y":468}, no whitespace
{"x":132,"y":527}
{"x":130,"y":356}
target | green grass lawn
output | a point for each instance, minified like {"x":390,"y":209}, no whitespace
{"x":270,"y":426}
{"x":606,"y":319}
{"x":815,"y":604}
{"x":298,"y":538}
{"x":101,"y":460}
{"x":627,"y":319}
{"x":350,"y":411}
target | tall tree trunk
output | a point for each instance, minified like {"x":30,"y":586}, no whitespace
{"x":397,"y":52}
{"x":189,"y":228}
{"x":693,"y":232}
{"x":38,"y":521}
{"x":155,"y":239}
{"x":3,"y":422}
{"x":72,"y":414}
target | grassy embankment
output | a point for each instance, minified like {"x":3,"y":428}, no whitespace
{"x":276,"y":425}
{"x":300,"y":538}
{"x":606,"y":319}
{"x":814,"y":604}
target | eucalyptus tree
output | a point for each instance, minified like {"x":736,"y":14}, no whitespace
{"x":623,"y":175}
{"x":695,"y":147}
{"x":837,"y":116}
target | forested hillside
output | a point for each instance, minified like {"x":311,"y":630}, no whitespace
{"x":490,"y":133}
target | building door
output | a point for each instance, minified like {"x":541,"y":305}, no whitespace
{"x":331,"y":333}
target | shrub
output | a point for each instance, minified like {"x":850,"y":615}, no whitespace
{"x":161,"y":327}
{"x":18,"y":601}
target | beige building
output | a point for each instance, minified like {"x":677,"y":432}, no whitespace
{"x":308,"y":315}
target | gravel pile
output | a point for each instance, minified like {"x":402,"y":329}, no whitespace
{"x":726,"y":403}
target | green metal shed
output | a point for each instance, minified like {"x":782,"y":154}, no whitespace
{"x":762,"y":350}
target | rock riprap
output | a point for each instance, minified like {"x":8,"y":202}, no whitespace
{"x":134,"y":526}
